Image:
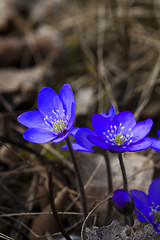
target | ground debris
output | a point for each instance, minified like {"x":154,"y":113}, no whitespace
{"x":117,"y":232}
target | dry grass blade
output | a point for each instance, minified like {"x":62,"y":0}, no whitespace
{"x":102,"y":72}
{"x":147,"y":91}
{"x":56,"y":153}
{"x":3,"y":236}
{"x":108,"y":51}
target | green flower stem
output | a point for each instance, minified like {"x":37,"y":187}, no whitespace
{"x":110,"y":187}
{"x":129,"y":218}
{"x":109,"y":172}
{"x":53,"y":208}
{"x":81,"y":187}
{"x":124,"y":175}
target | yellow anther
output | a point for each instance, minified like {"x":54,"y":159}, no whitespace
{"x":59,"y":126}
{"x":157,"y":216}
{"x":119,"y":139}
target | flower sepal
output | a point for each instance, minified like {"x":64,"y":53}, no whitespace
{"x":123,"y":201}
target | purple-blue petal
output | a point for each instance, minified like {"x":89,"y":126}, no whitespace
{"x":104,"y":114}
{"x":97,"y":141}
{"x":81,"y":137}
{"x":141,"y":129}
{"x":110,"y":114}
{"x":154,"y":192}
{"x":67,"y":98}
{"x":74,"y":131}
{"x":31,"y":119}
{"x":72,"y":117}
{"x":142,"y":204}
{"x":49,"y":102}
{"x":37,"y":135}
{"x":77,"y":147}
{"x":158,"y":132}
{"x":116,"y":148}
{"x":127,"y":121}
{"x":155,"y":143}
{"x":139,"y":146}
{"x":100,"y":125}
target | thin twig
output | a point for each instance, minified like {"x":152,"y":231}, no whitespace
{"x":43,"y":159}
{"x":58,"y":155}
{"x":147,"y":91}
{"x":25,"y":214}
{"x":102,"y":73}
{"x":20,"y":145}
{"x":5,"y":237}
{"x":88,"y":182}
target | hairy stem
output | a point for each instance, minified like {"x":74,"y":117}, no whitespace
{"x":81,"y":187}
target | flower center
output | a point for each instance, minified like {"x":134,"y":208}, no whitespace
{"x":59,"y":126}
{"x":155,"y":213}
{"x":157,"y":216}
{"x":114,"y":135}
{"x":56,"y":123}
{"x":119,"y":139}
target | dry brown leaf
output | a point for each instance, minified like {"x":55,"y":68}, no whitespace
{"x":12,"y":80}
{"x":43,"y":223}
{"x":7,"y":157}
{"x":42,"y":193}
{"x":46,"y":40}
{"x":43,"y":42}
{"x":7,"y":11}
{"x":84,"y":100}
{"x":45,"y":10}
{"x":139,"y":170}
{"x":21,"y":84}
{"x":11,"y":50}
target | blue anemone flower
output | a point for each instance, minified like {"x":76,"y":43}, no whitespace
{"x":82,"y":143}
{"x":123,"y":201}
{"x":155,"y":142}
{"x":121,"y":133}
{"x":54,"y":118}
{"x":148,"y":206}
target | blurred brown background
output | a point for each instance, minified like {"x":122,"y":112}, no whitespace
{"x":109,"y":51}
